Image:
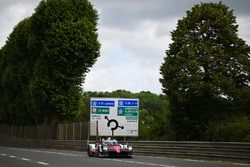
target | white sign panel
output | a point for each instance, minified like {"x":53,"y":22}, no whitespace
{"x":114,"y":117}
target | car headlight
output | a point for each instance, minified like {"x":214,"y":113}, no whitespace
{"x":105,"y":148}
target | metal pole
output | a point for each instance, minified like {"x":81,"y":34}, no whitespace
{"x":88,"y":127}
{"x":80,"y":130}
{"x":73,"y":131}
{"x":66,"y":132}
{"x":97,"y":132}
{"x":60,"y":131}
{"x":62,"y":137}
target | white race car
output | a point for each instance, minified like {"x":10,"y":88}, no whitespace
{"x":110,"y":148}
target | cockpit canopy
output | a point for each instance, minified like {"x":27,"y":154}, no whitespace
{"x":110,"y":143}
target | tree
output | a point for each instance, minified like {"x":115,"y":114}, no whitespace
{"x":15,"y":70}
{"x":206,"y":69}
{"x":65,"y":32}
{"x":45,"y":61}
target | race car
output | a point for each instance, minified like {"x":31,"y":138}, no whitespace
{"x":110,"y":148}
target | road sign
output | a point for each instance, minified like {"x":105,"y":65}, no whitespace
{"x":128,"y":111}
{"x":114,"y":116}
{"x":100,"y":110}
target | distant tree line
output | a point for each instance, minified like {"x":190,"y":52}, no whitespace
{"x":44,"y":61}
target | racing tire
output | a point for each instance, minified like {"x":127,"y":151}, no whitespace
{"x":89,"y":153}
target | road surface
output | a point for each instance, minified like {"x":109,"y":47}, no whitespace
{"x":28,"y":157}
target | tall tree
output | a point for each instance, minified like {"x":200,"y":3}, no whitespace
{"x":14,"y":74}
{"x":45,"y":61}
{"x":206,"y":69}
{"x":65,"y":32}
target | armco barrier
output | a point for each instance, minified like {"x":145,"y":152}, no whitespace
{"x":78,"y":145}
{"x":224,"y":151}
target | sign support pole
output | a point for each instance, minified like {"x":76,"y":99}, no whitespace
{"x":97,"y":132}
{"x":88,"y":132}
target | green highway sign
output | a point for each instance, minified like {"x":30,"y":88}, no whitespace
{"x":100,"y":110}
{"x":127,"y":111}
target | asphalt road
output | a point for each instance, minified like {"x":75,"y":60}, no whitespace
{"x":26,"y":157}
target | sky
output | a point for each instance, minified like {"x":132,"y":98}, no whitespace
{"x":134,"y":35}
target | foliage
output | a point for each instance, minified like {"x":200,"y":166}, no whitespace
{"x":44,"y":62}
{"x":206,"y":70}
{"x":233,"y":129}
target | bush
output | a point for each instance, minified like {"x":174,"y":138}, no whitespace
{"x":233,"y":129}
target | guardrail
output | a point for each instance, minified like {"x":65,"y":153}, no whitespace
{"x":227,"y":151}
{"x":224,"y":151}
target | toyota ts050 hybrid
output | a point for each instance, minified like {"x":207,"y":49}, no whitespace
{"x":110,"y":148}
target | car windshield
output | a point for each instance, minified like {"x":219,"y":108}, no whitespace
{"x":111,"y":143}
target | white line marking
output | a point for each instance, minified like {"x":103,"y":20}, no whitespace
{"x":141,"y":163}
{"x":241,"y":164}
{"x":43,"y":163}
{"x":25,"y":159}
{"x":193,"y":160}
{"x":166,"y":166}
{"x":152,"y":164}
{"x":3,"y":154}
{"x":49,"y":152}
{"x":132,"y":162}
{"x":12,"y":156}
{"x":119,"y":160}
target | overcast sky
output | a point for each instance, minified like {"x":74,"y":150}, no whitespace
{"x":134,"y":35}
